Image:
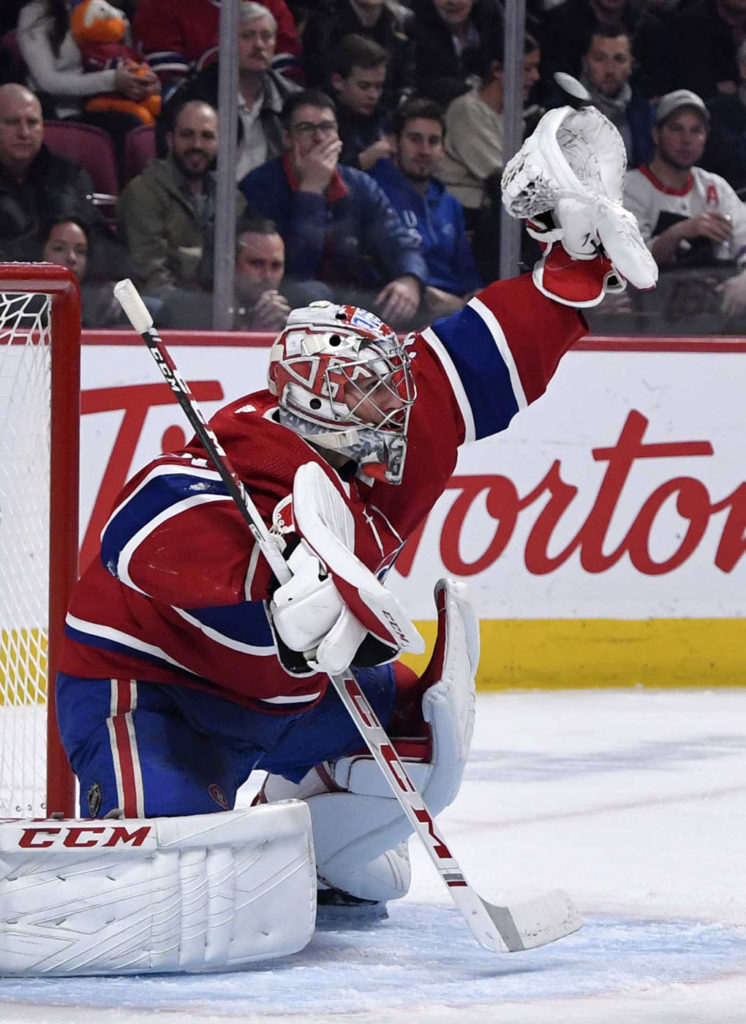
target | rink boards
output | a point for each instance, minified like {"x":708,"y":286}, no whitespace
{"x":602,"y":534}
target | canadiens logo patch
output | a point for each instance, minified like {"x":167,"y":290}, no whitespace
{"x":218,"y":796}
{"x":362,"y":318}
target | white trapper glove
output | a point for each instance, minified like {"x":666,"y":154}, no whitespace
{"x":566,"y":181}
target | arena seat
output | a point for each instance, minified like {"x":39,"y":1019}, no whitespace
{"x":94,"y":149}
{"x":139,"y":148}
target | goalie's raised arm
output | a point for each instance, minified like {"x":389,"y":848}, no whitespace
{"x":500,"y":352}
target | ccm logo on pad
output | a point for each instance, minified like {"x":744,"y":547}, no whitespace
{"x":396,"y":631}
{"x":78,"y":837}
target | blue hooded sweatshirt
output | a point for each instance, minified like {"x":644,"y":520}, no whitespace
{"x":437,"y":218}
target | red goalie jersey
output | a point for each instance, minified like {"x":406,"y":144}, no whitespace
{"x":178,"y":593}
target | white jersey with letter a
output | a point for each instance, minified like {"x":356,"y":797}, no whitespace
{"x":656,"y":206}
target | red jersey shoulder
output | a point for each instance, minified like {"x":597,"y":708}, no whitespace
{"x":260,"y":448}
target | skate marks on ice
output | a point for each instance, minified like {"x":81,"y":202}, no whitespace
{"x":420,"y":956}
{"x":506,"y":766}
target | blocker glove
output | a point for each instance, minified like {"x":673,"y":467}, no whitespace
{"x":334,"y":612}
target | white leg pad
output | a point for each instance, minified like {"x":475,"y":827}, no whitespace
{"x":208,"y":892}
{"x":359,"y":828}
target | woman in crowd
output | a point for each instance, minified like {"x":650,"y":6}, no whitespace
{"x":66,"y":241}
{"x":56,"y":72}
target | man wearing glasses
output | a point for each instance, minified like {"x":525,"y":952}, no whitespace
{"x":337,"y":225}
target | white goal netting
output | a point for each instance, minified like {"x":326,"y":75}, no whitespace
{"x":25,"y":383}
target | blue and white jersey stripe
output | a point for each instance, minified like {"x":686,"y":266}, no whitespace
{"x":229,"y":627}
{"x":239,"y":627}
{"x":107,"y":638}
{"x":476,"y":357}
{"x":165,"y":492}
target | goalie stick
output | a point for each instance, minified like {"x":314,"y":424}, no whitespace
{"x":499,"y":929}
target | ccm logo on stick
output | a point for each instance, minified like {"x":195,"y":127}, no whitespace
{"x":78,"y":837}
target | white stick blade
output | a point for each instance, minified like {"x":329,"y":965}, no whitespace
{"x":537,"y":922}
{"x":135,"y":309}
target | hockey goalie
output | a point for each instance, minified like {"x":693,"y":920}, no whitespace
{"x":186,"y":666}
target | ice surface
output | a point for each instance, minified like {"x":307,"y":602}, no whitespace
{"x":633,"y":801}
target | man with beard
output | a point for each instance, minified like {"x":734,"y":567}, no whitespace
{"x":566,"y":27}
{"x":166,"y":215}
{"x":607,"y":67}
{"x":427,"y":208}
{"x":689,"y":217}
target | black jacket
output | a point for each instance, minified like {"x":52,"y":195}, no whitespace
{"x":55,"y":189}
{"x":440,"y":72}
{"x":53,"y":186}
{"x":334,"y":19}
{"x":701,"y":51}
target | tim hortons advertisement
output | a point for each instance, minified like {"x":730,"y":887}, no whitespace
{"x":602,"y":534}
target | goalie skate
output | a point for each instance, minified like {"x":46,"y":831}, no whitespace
{"x":566,"y":181}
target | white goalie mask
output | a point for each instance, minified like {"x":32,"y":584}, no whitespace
{"x":344,"y":381}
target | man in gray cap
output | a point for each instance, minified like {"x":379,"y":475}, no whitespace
{"x":688,"y":216}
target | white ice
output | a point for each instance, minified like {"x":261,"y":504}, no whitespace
{"x":631,"y":800}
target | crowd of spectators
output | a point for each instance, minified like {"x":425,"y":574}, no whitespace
{"x":369,"y":148}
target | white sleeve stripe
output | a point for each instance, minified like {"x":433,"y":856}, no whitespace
{"x":125,"y":555}
{"x":387,"y":521}
{"x":459,"y":391}
{"x":501,"y":343}
{"x":251,"y":571}
{"x":223,"y":640}
{"x":118,"y":636}
{"x":306,"y":698}
{"x":164,"y":470}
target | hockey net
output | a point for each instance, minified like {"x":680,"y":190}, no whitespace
{"x":39,"y":444}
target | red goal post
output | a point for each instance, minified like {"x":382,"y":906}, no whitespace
{"x":39,"y":466}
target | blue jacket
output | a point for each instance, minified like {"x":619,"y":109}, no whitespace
{"x":354,"y":238}
{"x":437,"y":218}
{"x":641,"y":117}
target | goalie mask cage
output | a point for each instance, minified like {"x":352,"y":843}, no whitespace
{"x":39,"y":450}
